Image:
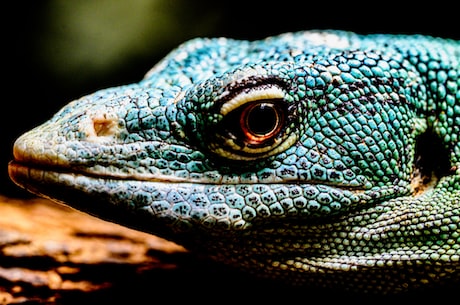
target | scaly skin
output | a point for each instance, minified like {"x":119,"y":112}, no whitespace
{"x":321,"y":158}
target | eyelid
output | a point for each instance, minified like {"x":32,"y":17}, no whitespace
{"x":251,"y":95}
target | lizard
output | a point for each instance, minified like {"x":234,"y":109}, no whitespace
{"x":323,"y":158}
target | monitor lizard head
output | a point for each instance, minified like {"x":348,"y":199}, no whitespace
{"x":294,"y":154}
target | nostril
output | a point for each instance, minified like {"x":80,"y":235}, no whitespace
{"x":101,"y":126}
{"x":104,"y":127}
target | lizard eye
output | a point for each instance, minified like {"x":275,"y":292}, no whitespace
{"x":254,"y":124}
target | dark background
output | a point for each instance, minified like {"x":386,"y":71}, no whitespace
{"x":55,"y":51}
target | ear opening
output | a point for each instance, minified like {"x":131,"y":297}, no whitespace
{"x":432,"y":161}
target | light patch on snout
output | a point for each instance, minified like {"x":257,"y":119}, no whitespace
{"x":100,"y":126}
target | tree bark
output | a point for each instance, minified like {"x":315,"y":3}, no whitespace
{"x":49,"y":252}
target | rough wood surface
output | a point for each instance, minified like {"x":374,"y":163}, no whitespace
{"x":48,"y":251}
{"x":51,"y":254}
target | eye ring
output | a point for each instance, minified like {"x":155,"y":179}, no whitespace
{"x":260,"y":122}
{"x":253,"y":123}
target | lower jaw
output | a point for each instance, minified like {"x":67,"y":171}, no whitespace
{"x":154,"y":206}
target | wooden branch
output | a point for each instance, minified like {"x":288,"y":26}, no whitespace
{"x":48,"y":252}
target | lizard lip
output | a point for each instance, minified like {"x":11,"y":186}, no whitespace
{"x":96,"y":193}
{"x":24,"y":173}
{"x":21,"y":172}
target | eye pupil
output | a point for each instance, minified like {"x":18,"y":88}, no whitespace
{"x":260,"y":122}
{"x":261,"y":119}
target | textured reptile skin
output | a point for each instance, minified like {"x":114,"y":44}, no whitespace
{"x":321,"y":158}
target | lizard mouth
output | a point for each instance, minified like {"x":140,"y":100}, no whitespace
{"x":165,"y":208}
{"x":247,"y":200}
{"x":35,"y":179}
{"x":25,"y":174}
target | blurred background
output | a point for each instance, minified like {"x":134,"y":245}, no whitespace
{"x":56,"y":51}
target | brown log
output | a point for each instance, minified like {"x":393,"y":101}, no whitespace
{"x":49,"y":251}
